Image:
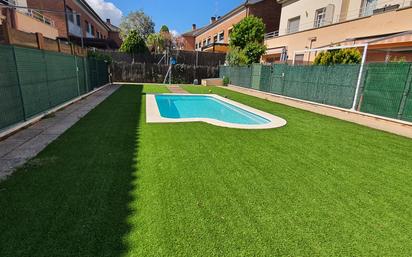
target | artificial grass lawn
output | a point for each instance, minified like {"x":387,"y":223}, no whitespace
{"x":115,"y":186}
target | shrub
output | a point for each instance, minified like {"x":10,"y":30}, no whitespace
{"x":341,"y":56}
{"x":226,"y":80}
{"x":253,"y":52}
{"x":246,"y":41}
{"x":100,"y":56}
{"x":134,"y":44}
{"x":236,"y":56}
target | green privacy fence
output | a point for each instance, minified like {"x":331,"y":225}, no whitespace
{"x":385,"y":88}
{"x":333,"y":85}
{"x":33,"y":81}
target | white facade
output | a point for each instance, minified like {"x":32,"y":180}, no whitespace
{"x":299,"y":15}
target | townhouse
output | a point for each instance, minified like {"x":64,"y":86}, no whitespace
{"x":27,"y":20}
{"x":72,"y":20}
{"x":385,"y":25}
{"x":215,"y":36}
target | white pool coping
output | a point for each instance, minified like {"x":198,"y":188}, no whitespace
{"x":153,"y":114}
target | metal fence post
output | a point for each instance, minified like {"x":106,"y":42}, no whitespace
{"x":19,"y":84}
{"x":77,"y":75}
{"x":355,"y":99}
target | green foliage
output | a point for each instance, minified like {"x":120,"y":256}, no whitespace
{"x":398,"y":59}
{"x":236,"y":56}
{"x":164,"y":29}
{"x":250,"y":30}
{"x":156,"y":42}
{"x":341,"y":56}
{"x":246,"y":41}
{"x":137,"y":21}
{"x":133,"y":44}
{"x":226,"y":80}
{"x":253,"y":52}
{"x":100,"y":56}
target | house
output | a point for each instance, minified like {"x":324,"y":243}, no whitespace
{"x":306,"y":24}
{"x":77,"y":22}
{"x":215,"y":36}
{"x":27,"y":20}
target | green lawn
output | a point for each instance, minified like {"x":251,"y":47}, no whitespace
{"x":113,"y":185}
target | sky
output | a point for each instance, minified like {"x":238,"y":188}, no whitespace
{"x":178,"y":15}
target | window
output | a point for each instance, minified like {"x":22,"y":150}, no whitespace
{"x":221,"y":36}
{"x":215,"y":38}
{"x":78,"y":20}
{"x":367,"y":7}
{"x":320,"y":16}
{"x":299,"y":58}
{"x":92,"y":30}
{"x":69,"y":12}
{"x":204,"y":43}
{"x":293,"y":25}
{"x":209,"y":41}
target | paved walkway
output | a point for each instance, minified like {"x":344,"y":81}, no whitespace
{"x":389,"y":125}
{"x":27,"y":143}
{"x":176,"y":89}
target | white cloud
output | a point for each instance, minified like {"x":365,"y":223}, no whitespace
{"x":106,"y":10}
{"x":174,"y":33}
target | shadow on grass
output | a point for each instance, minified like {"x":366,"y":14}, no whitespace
{"x":73,"y":198}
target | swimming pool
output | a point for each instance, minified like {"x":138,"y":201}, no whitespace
{"x":212,"y":109}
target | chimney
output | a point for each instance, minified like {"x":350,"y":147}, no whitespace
{"x":108,"y":21}
{"x":212,"y":19}
{"x":193,"y":27}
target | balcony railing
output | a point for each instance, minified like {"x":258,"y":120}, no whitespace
{"x":40,"y":17}
{"x":384,"y":6}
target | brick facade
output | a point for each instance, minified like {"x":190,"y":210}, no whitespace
{"x":58,"y":18}
{"x":100,"y":28}
{"x":268,"y":10}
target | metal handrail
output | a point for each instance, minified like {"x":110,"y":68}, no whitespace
{"x":40,"y":17}
{"x":351,"y":15}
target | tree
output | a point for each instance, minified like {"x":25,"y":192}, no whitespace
{"x":253,"y":52}
{"x":246,"y":41}
{"x":133,"y":43}
{"x":139,"y":22}
{"x":156,"y":43}
{"x":250,"y":30}
{"x":341,"y":56}
{"x":164,"y":29}
{"x":236,"y":56}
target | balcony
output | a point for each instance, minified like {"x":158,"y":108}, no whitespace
{"x":378,"y":8}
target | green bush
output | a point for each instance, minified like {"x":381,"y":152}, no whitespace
{"x":236,"y":56}
{"x":253,"y":52}
{"x":134,"y":44}
{"x":250,"y":30}
{"x":226,"y":80}
{"x":341,"y":56}
{"x":100,"y":56}
{"x":246,"y":42}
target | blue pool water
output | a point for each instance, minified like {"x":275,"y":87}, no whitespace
{"x":199,"y":106}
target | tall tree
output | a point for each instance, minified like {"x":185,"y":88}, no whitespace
{"x":133,"y":44}
{"x":139,"y":22}
{"x":246,"y":41}
{"x":156,"y":43}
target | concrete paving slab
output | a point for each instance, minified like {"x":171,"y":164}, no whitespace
{"x":26,"y":134}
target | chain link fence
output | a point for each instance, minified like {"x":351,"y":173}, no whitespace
{"x":34,"y":81}
{"x":385,"y":88}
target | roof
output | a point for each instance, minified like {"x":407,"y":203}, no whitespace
{"x":223,"y":18}
{"x":92,"y":11}
{"x":113,"y":27}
